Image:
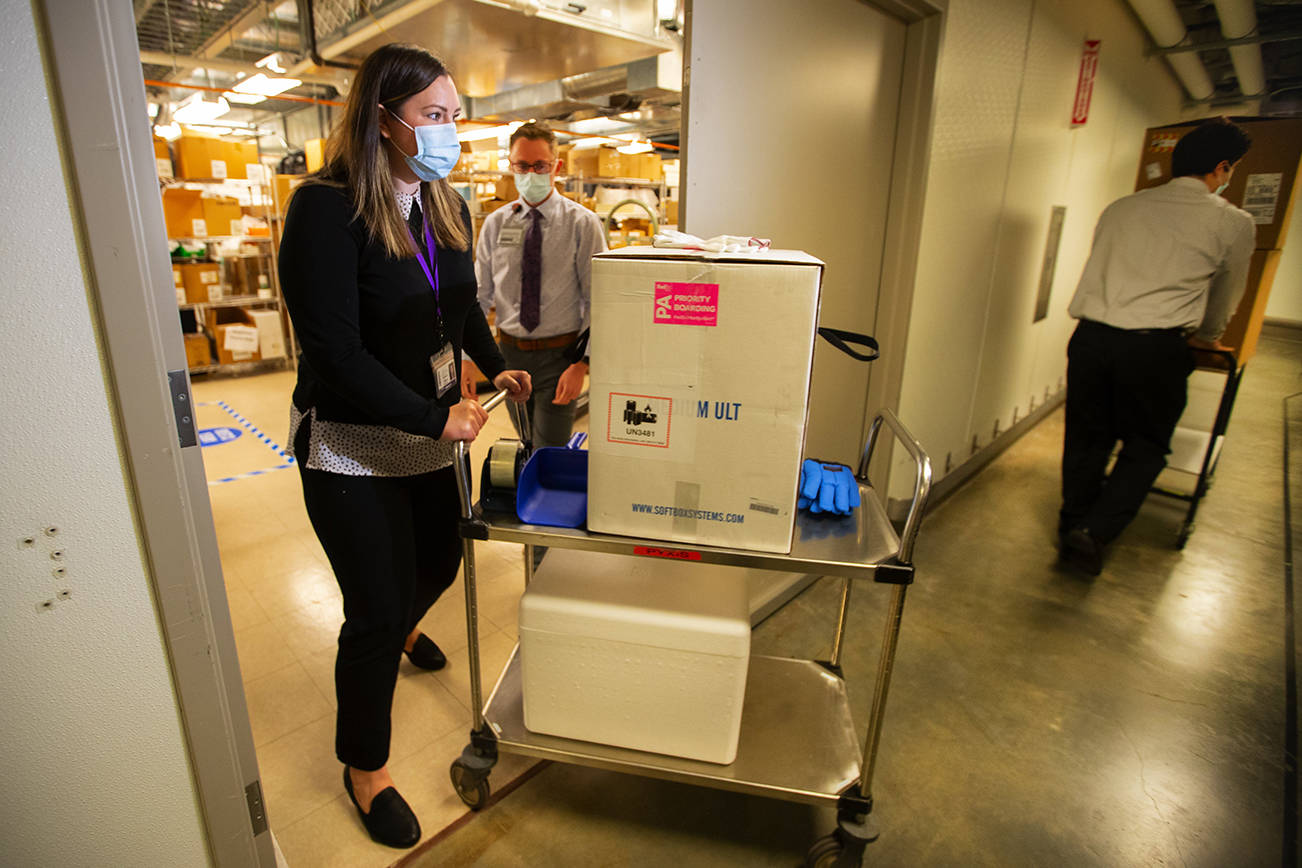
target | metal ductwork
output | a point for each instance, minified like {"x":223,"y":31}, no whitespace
{"x":1239,"y":20}
{"x":612,"y":90}
{"x":1167,"y":29}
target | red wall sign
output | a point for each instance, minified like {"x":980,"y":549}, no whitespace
{"x":1089,"y":64}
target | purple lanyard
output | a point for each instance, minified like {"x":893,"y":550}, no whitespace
{"x":431,"y":268}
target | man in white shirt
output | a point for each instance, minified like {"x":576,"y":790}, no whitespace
{"x":1166,"y":272}
{"x":534,"y":262}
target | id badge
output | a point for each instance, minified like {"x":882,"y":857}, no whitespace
{"x":510,"y":236}
{"x":444,"y":365}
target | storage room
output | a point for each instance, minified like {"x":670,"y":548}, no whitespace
{"x":507,"y":432}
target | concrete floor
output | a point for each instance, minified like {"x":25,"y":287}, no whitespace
{"x":1036,"y":717}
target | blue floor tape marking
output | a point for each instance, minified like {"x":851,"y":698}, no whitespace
{"x":275,"y":447}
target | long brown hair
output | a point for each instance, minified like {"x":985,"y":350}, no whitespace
{"x":355,"y":157}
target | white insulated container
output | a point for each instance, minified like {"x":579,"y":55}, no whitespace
{"x":636,"y":652}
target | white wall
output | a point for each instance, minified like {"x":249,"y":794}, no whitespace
{"x":1286,"y":294}
{"x":96,"y":769}
{"x":791,"y":126}
{"x":1003,"y":155}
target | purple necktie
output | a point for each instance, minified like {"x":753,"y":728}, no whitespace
{"x":531,"y":273}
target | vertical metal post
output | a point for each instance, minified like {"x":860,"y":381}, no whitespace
{"x":884,"y":668}
{"x":841,"y":619}
{"x":461,"y":462}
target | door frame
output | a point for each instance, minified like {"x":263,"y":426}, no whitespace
{"x":924,"y":22}
{"x":98,"y":99}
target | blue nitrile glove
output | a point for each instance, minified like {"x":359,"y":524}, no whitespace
{"x":811,"y":476}
{"x":838,"y":491}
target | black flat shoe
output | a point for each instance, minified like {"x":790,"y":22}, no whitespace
{"x":426,"y":654}
{"x":1080,"y":549}
{"x":391,"y":821}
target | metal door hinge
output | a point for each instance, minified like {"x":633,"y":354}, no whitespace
{"x":178,"y":383}
{"x":257,"y":815}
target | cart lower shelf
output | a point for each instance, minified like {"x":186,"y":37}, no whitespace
{"x":797,"y":739}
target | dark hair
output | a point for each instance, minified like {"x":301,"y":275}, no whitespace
{"x":1207,"y":145}
{"x":536,"y":130}
{"x":355,"y":157}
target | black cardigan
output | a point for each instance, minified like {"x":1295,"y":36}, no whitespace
{"x":367,"y":323}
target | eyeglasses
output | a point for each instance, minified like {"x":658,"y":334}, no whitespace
{"x":542,"y":167}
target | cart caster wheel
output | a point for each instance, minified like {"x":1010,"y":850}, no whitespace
{"x":471,"y":788}
{"x":828,"y":852}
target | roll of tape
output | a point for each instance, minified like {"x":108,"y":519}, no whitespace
{"x":504,"y":459}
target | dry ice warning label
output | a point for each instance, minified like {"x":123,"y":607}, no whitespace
{"x":686,"y":303}
{"x":642,"y":419}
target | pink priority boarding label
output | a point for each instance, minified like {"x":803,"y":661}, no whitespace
{"x":686,"y":303}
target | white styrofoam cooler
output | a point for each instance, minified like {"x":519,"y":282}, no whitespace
{"x":699,"y":394}
{"x":641,"y":653}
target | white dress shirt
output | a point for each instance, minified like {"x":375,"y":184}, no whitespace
{"x":572,"y":235}
{"x":1174,"y":256}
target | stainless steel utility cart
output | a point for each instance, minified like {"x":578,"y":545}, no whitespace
{"x":801,"y":703}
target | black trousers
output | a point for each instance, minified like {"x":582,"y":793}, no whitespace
{"x":1121,"y":385}
{"x":393,"y":545}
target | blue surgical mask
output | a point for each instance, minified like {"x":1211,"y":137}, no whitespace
{"x":437,"y":149}
{"x":1221,"y":189}
{"x":533,"y":187}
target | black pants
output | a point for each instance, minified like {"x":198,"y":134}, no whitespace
{"x":1127,"y":386}
{"x":392,"y":542}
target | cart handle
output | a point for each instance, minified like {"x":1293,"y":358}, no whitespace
{"x":461,"y":452}
{"x":922,"y":475}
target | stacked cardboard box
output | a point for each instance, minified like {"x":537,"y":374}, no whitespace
{"x":198,"y":282}
{"x":198,"y":351}
{"x":1265,"y":185}
{"x":236,"y":334}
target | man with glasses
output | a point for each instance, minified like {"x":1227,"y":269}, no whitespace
{"x":534,"y":262}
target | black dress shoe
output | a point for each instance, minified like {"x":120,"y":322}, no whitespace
{"x":426,"y":654}
{"x":391,"y":821}
{"x":1082,"y":550}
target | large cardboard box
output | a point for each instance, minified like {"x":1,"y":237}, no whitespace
{"x":222,"y":215}
{"x":202,"y":157}
{"x":314,"y":154}
{"x":271,"y":337}
{"x":239,"y":157}
{"x":1245,"y":326}
{"x":699,"y":393}
{"x":641,"y":653}
{"x":162,"y":157}
{"x":285,"y":185}
{"x":581,"y":163}
{"x":610,"y":164}
{"x":201,"y":281}
{"x":183,"y":213}
{"x":198,"y":353}
{"x":1265,"y":182}
{"x":235,"y":334}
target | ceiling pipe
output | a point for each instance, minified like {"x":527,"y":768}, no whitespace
{"x":1239,"y":19}
{"x":307,"y":15}
{"x":1167,"y":29}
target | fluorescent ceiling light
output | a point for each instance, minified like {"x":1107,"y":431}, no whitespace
{"x":260,"y":84}
{"x":272,"y":63}
{"x":592,"y":126}
{"x":197,"y":110}
{"x":585,"y":144}
{"x":171,"y":132}
{"x":481,"y":133}
{"x":153,"y":109}
{"x":244,"y":98}
{"x":635,"y":148}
